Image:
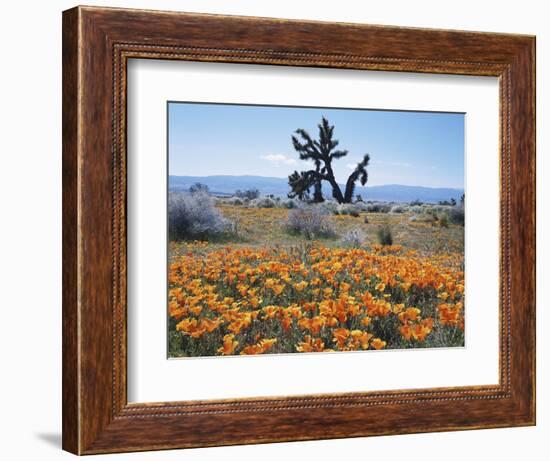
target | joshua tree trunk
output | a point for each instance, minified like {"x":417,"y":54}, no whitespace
{"x":318,"y":192}
{"x":317,"y":185}
{"x":336,"y":192}
{"x":350,"y":187}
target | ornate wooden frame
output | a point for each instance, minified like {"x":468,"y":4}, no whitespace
{"x":97,"y":43}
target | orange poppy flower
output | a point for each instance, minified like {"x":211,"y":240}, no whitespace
{"x":229,"y":345}
{"x":300,"y":286}
{"x":340,"y":335}
{"x":366,"y":321}
{"x":286,"y":323}
{"x":191,"y":328}
{"x":377,"y":343}
{"x":311,"y":345}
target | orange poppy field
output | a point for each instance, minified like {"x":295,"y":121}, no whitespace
{"x":268,"y":292}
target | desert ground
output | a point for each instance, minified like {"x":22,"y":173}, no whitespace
{"x":273,"y":275}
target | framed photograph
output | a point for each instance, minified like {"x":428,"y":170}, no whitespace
{"x":282,"y":230}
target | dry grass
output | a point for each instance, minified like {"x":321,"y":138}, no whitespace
{"x":265,"y":226}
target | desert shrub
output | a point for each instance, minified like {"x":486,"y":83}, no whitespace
{"x":423,"y":217}
{"x":415,"y":203}
{"x":384,"y":234}
{"x":329,"y":206}
{"x":249,"y":194}
{"x":310,"y":222}
{"x":431,"y":213}
{"x":378,"y":208}
{"x":199,"y":187}
{"x":434,"y":216}
{"x":263,"y":202}
{"x":398,"y":209}
{"x":234,"y":201}
{"x":361,"y":206}
{"x":354,"y":238}
{"x":340,"y":209}
{"x":417,"y":209}
{"x":441,"y":208}
{"x":348,"y":209}
{"x":456,"y":215}
{"x":438,"y":215}
{"x":192,"y":216}
{"x":444,"y":220}
{"x":288,"y":203}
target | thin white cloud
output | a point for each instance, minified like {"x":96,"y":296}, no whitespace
{"x":279,"y":159}
{"x":351,"y":166}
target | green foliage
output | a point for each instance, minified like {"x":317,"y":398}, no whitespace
{"x":397,"y":209}
{"x":378,"y":208}
{"x":263,"y":202}
{"x":384,"y":234}
{"x":300,"y":183}
{"x":443,"y":220}
{"x":199,"y":187}
{"x":456,"y":215}
{"x":348,"y":209}
{"x":451,"y":202}
{"x":249,"y":194}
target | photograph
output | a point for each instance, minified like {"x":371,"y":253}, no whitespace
{"x":313,"y":229}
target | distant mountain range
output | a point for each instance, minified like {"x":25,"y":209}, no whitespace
{"x":227,"y":185}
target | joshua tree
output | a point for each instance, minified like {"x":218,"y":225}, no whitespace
{"x":322,"y":152}
{"x":300,"y":183}
{"x":360,"y":173}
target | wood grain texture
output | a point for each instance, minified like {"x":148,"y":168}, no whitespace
{"x":97,"y":43}
{"x":70,"y":384}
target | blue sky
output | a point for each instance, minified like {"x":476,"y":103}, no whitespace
{"x":409,"y":148}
